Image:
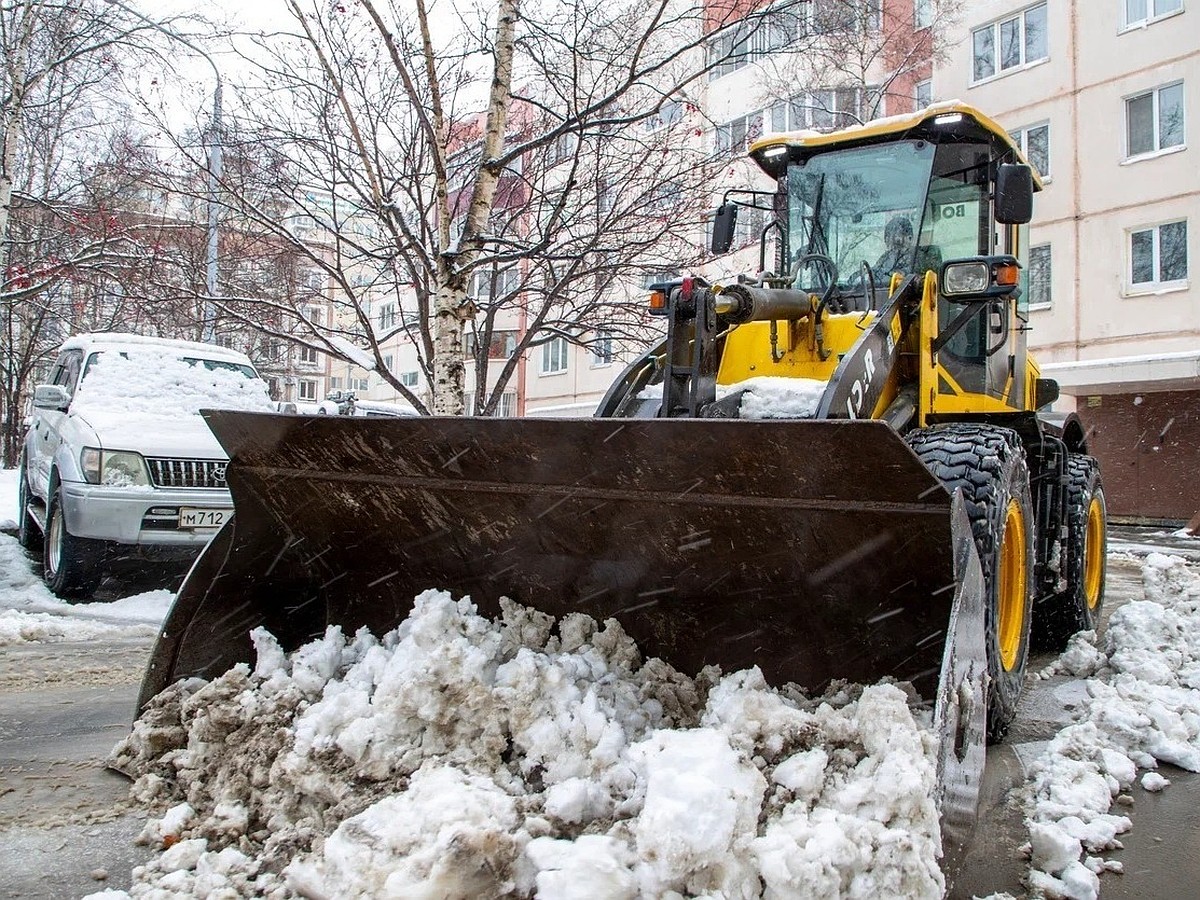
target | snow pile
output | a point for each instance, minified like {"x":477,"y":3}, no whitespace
{"x":1143,"y":707}
{"x":18,"y":627}
{"x":461,"y":757}
{"x":773,"y":397}
{"x":146,"y":382}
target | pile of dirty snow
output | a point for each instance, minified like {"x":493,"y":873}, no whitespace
{"x":1142,"y":708}
{"x":145,"y":382}
{"x":458,"y":756}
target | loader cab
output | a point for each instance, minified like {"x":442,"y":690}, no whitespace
{"x":943,"y":194}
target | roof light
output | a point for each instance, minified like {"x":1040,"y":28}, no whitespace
{"x":947,"y":118}
{"x":773,"y":152}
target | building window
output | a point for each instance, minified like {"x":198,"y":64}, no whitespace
{"x":335,"y":383}
{"x":602,"y":350}
{"x":1158,"y":255}
{"x":922,"y":14}
{"x":307,"y":389}
{"x":1009,"y":43}
{"x":387,"y":315}
{"x":923,"y":92}
{"x":563,"y":148}
{"x":554,"y":356}
{"x":308,"y":355}
{"x":1037,"y":288}
{"x":652,"y":278}
{"x":1154,"y":120}
{"x":1034,"y":142}
{"x":670,"y":112}
{"x":409,"y":379}
{"x":492,"y":284}
{"x":823,"y":110}
{"x":315,"y":314}
{"x":734,"y":137}
{"x":507,"y":408}
{"x":1143,"y":12}
{"x":359,"y":384}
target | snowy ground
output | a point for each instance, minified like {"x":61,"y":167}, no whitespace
{"x":461,"y":757}
{"x":29,"y":612}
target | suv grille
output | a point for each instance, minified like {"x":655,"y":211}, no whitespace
{"x":187,"y":473}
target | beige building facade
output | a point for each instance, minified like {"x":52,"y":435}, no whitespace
{"x":1104,"y":96}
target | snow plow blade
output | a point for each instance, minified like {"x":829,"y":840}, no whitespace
{"x":816,"y":550}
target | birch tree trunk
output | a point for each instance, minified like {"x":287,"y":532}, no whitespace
{"x":451,"y":307}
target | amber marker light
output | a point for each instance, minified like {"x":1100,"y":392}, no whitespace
{"x":1008,"y":274}
{"x":658,"y":300}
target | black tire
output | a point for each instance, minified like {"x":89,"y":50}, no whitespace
{"x":29,"y":535}
{"x":71,"y":566}
{"x":988,"y":464}
{"x":1084,"y":560}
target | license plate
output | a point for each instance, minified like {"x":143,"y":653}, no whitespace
{"x":203,"y":518}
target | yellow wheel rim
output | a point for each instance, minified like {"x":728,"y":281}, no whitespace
{"x":1013,"y":585}
{"x":1093,"y":553}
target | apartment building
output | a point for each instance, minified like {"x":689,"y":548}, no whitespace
{"x":1104,"y":97}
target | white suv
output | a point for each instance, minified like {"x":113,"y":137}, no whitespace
{"x":117,"y":462}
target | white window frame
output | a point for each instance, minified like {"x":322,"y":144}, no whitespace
{"x":1042,"y":304}
{"x":554,"y":357}
{"x":410,"y":379}
{"x":1155,"y":93}
{"x":602,"y":349}
{"x":308,"y":355}
{"x":1020,"y":137}
{"x":1151,"y":17}
{"x":1156,"y":285}
{"x":922,"y":14}
{"x":306,"y":389}
{"x":387,"y":315}
{"x":994,"y":27}
{"x":925,"y":86}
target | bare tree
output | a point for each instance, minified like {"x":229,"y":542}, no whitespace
{"x":61,"y":224}
{"x":495,"y":176}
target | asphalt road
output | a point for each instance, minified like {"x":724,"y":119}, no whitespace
{"x":67,"y":827}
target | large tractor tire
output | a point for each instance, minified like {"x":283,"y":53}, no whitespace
{"x":1084,"y":559}
{"x":29,"y":535}
{"x":988,"y":464}
{"x":72,"y":566}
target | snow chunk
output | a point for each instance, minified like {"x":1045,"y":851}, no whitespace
{"x":773,"y":397}
{"x":1154,"y":782}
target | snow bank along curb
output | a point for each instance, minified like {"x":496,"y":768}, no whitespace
{"x":1143,"y":707}
{"x":460,"y":757}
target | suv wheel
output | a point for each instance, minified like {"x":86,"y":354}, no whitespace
{"x":29,"y":535}
{"x":72,"y":566}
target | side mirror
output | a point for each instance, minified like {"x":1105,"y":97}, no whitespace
{"x":51,"y":396}
{"x":723,"y":225}
{"x":1014,"y":194}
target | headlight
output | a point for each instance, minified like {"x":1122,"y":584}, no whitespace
{"x":116,"y":468}
{"x":966,"y":278}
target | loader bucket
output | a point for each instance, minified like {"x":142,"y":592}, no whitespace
{"x":816,"y":550}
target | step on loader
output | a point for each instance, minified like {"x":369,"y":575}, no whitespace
{"x":925,"y":521}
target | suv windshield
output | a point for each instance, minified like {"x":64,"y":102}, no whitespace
{"x":856,"y":206}
{"x":211,"y":364}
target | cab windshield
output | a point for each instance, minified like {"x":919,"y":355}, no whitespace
{"x":856,"y":207}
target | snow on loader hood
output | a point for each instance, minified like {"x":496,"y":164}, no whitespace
{"x":457,"y":756}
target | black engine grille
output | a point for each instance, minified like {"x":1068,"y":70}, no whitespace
{"x":187,"y":473}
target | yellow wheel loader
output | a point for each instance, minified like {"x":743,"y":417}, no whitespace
{"x":918,"y":522}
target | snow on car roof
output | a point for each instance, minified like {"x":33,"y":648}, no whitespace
{"x":119,"y":339}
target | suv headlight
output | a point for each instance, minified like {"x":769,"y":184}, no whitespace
{"x":116,"y":468}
